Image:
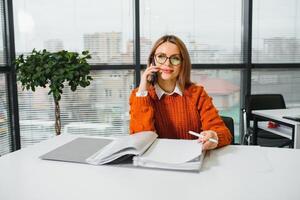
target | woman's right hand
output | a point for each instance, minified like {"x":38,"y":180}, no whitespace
{"x":144,"y":84}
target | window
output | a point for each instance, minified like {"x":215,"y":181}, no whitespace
{"x":282,"y":81}
{"x":224,"y":87}
{"x":76,"y":26}
{"x":2,"y":52}
{"x":5,"y":139}
{"x":211,"y":30}
{"x":87,"y":111}
{"x":276,"y":31}
{"x":108,"y":92}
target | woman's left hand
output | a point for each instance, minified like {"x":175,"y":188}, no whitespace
{"x":207,"y":145}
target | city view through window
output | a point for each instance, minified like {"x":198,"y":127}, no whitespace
{"x":212,"y":31}
{"x":103,"y":107}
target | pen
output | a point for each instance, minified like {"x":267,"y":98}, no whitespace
{"x":201,"y":136}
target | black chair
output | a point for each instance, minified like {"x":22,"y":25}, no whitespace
{"x":230,"y":125}
{"x":263,"y":102}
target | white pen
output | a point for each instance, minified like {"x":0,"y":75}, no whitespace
{"x":201,"y":136}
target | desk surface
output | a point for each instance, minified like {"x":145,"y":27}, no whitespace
{"x":277,"y":114}
{"x":225,"y":174}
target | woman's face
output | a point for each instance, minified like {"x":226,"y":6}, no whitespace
{"x":168,"y":58}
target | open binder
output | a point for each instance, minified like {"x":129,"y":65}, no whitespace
{"x":145,"y":149}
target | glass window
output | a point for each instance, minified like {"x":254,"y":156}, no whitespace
{"x":280,"y":81}
{"x":211,"y":30}
{"x":2,"y":52}
{"x":105,"y":28}
{"x":99,"y":109}
{"x":276,"y":31}
{"x":5,"y":140}
{"x":224,"y":87}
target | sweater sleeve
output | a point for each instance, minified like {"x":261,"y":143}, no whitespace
{"x":141,"y":113}
{"x":211,"y":120}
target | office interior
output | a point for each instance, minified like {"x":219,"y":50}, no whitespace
{"x":237,"y":48}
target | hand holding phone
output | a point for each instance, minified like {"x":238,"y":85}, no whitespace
{"x":153,"y":76}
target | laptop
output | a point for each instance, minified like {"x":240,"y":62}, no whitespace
{"x":77,"y":150}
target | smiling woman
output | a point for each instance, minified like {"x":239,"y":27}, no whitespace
{"x":173,"y":105}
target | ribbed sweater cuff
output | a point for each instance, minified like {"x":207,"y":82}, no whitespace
{"x":223,"y":140}
{"x":142,"y":101}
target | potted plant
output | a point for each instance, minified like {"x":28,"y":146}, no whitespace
{"x":52,"y":70}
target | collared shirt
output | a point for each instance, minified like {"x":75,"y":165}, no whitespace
{"x":160,"y":92}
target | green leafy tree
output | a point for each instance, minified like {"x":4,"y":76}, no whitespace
{"x":53,"y":69}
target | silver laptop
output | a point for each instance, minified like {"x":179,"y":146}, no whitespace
{"x":77,"y":150}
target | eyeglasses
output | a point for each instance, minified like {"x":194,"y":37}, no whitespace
{"x":174,"y":60}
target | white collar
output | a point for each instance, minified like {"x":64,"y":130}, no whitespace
{"x":160,"y":92}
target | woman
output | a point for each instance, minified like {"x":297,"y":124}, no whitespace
{"x":172,"y":105}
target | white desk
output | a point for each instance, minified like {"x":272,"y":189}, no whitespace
{"x":290,"y":128}
{"x":275,"y":175}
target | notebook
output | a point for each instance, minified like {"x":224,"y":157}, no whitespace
{"x":77,"y":150}
{"x":172,"y":154}
{"x":144,"y":149}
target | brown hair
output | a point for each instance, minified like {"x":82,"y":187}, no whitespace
{"x":184,"y":78}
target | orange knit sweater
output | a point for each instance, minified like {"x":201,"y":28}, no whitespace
{"x":173,"y":116}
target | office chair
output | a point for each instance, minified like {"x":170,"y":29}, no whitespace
{"x":230,"y":125}
{"x":262,"y":102}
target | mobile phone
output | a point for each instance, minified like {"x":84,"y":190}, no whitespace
{"x":153,"y":76}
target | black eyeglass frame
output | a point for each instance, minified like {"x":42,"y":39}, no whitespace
{"x":179,"y":56}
